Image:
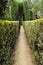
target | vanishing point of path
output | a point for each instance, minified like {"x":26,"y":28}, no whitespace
{"x":22,"y":54}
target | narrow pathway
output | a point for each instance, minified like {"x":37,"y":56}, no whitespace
{"x":22,"y":53}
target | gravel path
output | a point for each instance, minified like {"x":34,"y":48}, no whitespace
{"x":22,"y":54}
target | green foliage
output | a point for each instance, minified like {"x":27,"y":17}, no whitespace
{"x":2,"y":7}
{"x":11,"y":10}
{"x":26,"y":10}
{"x":14,"y":9}
{"x":34,"y":34}
{"x":8,"y":36}
{"x":38,"y":7}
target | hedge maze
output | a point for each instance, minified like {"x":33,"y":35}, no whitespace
{"x":16,"y":14}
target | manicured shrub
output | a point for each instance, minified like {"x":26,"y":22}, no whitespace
{"x":8,"y":36}
{"x":34,"y":34}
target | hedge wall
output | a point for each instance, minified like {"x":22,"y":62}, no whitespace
{"x":8,"y":36}
{"x":34,"y":34}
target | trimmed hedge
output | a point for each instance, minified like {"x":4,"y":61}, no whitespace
{"x":8,"y":36}
{"x":34,"y":34}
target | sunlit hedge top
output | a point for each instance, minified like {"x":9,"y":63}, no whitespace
{"x":7,"y":22}
{"x":20,"y":1}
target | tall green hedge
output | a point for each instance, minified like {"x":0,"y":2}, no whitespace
{"x":8,"y":36}
{"x":34,"y":34}
{"x":11,"y":10}
{"x":26,"y":10}
{"x":14,"y":9}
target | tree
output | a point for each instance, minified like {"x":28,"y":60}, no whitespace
{"x":3,"y":5}
{"x":42,"y":6}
